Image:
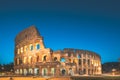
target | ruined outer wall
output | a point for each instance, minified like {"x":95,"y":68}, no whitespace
{"x":84,"y":61}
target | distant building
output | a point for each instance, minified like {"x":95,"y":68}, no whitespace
{"x":32,"y":58}
{"x":110,"y":66}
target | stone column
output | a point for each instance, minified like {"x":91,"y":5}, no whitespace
{"x":40,"y":71}
{"x":49,"y":71}
{"x":82,"y":63}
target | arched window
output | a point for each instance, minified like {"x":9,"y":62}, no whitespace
{"x":88,"y":62}
{"x":55,"y":58}
{"x":74,"y":61}
{"x":25,"y":48}
{"x":62,"y":60}
{"x":38,"y":46}
{"x":84,"y":71}
{"x":79,"y":61}
{"x":24,"y":60}
{"x":29,"y":59}
{"x":21,"y":49}
{"x":31,"y":47}
{"x":44,"y":58}
{"x":20,"y":61}
{"x":79,"y":56}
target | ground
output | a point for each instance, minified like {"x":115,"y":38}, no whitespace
{"x":64,"y":78}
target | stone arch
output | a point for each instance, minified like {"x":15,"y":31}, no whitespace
{"x":55,"y":59}
{"x":44,"y":71}
{"x":37,"y":46}
{"x":44,"y":58}
{"x":84,"y":71}
{"x":63,"y":71}
{"x":29,"y":59}
{"x":25,"y":71}
{"x":25,"y":60}
{"x":70,"y":72}
{"x":63,"y":59}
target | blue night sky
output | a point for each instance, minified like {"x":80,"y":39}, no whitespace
{"x":89,"y":24}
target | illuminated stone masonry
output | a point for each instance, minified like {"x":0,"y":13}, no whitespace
{"x":32,"y":58}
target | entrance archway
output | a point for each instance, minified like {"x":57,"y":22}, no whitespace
{"x":25,"y":72}
{"x":44,"y":72}
{"x":63,"y":71}
{"x":44,"y":58}
{"x":36,"y":71}
{"x":70,"y":72}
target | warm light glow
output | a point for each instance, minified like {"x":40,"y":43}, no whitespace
{"x":21,"y":49}
{"x":17,"y":61}
{"x":31,"y":47}
{"x":29,"y":59}
{"x":25,"y":58}
{"x":25,"y":48}
{"x":18,"y":51}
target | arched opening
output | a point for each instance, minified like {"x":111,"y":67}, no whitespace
{"x":70,"y":72}
{"x":84,"y":71}
{"x":30,"y":71}
{"x":45,"y":58}
{"x":79,"y":61}
{"x":80,"y":71}
{"x":24,"y":60}
{"x":36,"y":71}
{"x":20,"y":61}
{"x":25,"y":71}
{"x":29,"y":60}
{"x":63,"y":72}
{"x":31,"y":47}
{"x":55,"y":58}
{"x":44,"y":72}
{"x":88,"y":71}
{"x":79,"y":56}
{"x":69,"y":60}
{"x":17,"y":71}
{"x":38,"y":46}
{"x":62,"y":59}
{"x":21,"y":71}
{"x":74,"y":61}
{"x":53,"y":71}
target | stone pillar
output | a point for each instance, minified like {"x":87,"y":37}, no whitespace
{"x":40,"y":71}
{"x":77,"y":67}
{"x":49,"y":71}
{"x":57,"y":73}
{"x":82,"y":62}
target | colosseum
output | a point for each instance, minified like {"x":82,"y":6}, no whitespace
{"x":33,"y":58}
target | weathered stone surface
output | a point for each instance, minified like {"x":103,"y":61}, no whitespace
{"x":33,"y":58}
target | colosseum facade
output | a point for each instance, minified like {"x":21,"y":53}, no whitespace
{"x":33,"y":58}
